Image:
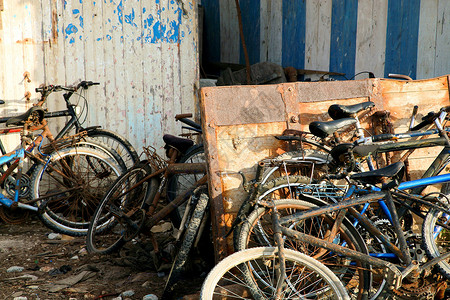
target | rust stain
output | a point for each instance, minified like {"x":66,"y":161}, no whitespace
{"x":25,"y":41}
{"x":54,"y":26}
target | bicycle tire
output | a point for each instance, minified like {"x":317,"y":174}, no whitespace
{"x":108,"y":231}
{"x":288,"y":187}
{"x":179,"y":183}
{"x":233,"y":272}
{"x":106,"y":149}
{"x":315,"y":164}
{"x":187,"y":241}
{"x":257,"y":231}
{"x":118,"y":143}
{"x":70,"y":186}
{"x":435,"y":238}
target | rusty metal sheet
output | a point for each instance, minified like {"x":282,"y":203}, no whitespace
{"x":252,"y":104}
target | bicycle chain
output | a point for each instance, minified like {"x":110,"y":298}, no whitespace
{"x":424,"y":290}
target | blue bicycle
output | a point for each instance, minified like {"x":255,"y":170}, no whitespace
{"x":67,"y":182}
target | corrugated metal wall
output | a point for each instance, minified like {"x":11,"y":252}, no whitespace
{"x":409,"y":37}
{"x":144,"y":54}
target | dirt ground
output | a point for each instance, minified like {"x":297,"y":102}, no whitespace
{"x":35,"y":265}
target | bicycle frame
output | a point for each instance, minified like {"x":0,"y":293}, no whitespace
{"x":18,"y":157}
{"x":412,"y":269}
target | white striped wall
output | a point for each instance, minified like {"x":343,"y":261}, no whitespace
{"x":431,"y":52}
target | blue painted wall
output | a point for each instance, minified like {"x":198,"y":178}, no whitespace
{"x":401,"y":43}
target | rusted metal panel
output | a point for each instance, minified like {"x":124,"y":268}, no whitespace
{"x":143,"y":53}
{"x":236,"y":140}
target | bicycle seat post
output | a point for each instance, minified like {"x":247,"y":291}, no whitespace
{"x":397,"y":228}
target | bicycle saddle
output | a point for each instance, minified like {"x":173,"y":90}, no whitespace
{"x":20,"y":119}
{"x":324,"y":129}
{"x":394,"y":171}
{"x":181,"y":144}
{"x":338,"y":111}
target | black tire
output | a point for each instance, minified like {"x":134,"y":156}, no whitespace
{"x":250,"y":274}
{"x":179,"y":183}
{"x":436,"y":239}
{"x":290,"y":187}
{"x":257,"y":231}
{"x":118,"y":143}
{"x":71,"y":185}
{"x":120,"y":214}
{"x":105,"y":148}
{"x":190,"y":234}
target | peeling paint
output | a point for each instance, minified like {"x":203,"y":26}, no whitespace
{"x":163,"y":25}
{"x":71,"y":29}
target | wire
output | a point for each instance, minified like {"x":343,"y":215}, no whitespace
{"x":371,"y":75}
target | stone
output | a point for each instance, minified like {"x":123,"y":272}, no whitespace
{"x":15,"y":269}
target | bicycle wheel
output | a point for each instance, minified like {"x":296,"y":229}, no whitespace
{"x":436,"y":239}
{"x":179,"y":183}
{"x":69,"y":187}
{"x":290,"y":187}
{"x":311,"y":163}
{"x":253,"y":273}
{"x":118,"y":143}
{"x":187,"y":241}
{"x":257,"y":231}
{"x":121,"y":212}
{"x":105,"y":148}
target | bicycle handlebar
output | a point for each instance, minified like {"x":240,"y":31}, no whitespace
{"x":184,"y":119}
{"x":47,"y":89}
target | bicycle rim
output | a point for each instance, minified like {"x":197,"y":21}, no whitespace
{"x":253,"y":274}
{"x":72,"y":184}
{"x":120,"y":214}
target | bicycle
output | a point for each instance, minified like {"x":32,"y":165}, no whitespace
{"x":118,"y":143}
{"x":258,"y":228}
{"x":62,"y":162}
{"x":132,"y":204}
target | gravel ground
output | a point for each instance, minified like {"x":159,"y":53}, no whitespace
{"x":36,"y":264}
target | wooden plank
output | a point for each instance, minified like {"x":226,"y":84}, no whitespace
{"x":73,"y":36}
{"x":133,"y":77}
{"x":371,"y":37}
{"x":169,"y":62}
{"x":153,"y":82}
{"x":251,"y":29}
{"x":264,"y":25}
{"x":33,"y":56}
{"x":113,"y":65}
{"x":442,"y":64}
{"x":229,"y":32}
{"x":294,"y":19}
{"x":189,"y":37}
{"x":317,"y":38}
{"x":426,"y":48}
{"x":343,"y":36}
{"x":95,"y":62}
{"x":396,"y":86}
{"x":14,"y":85}
{"x":275,"y":26}
{"x":402,"y":36}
